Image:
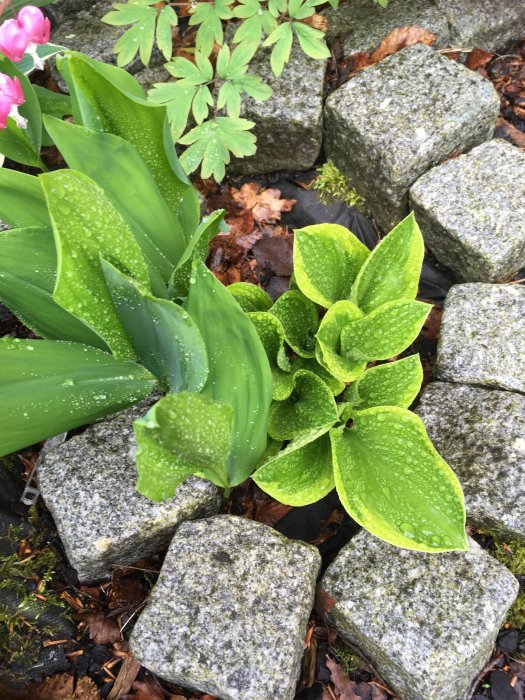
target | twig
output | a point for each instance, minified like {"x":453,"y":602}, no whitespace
{"x":492,"y":664}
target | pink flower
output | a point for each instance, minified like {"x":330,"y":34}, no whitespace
{"x":13,"y":40}
{"x":37,"y":27}
{"x":11,"y":97}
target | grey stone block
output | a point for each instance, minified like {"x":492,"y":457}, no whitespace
{"x":426,"y":621}
{"x":471,"y":211}
{"x":289,"y":125}
{"x":88,"y":484}
{"x":364,"y":24}
{"x":482,"y":339}
{"x":481,"y":434}
{"x":229,"y":612}
{"x":398,"y":118}
{"x":483,"y":23}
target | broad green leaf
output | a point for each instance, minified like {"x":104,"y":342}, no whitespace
{"x":310,"y":406}
{"x":54,"y":104}
{"x":27,"y":282}
{"x":391,"y":384}
{"x":300,"y":474}
{"x":385,"y":332}
{"x":109,"y":99}
{"x":195,"y":432}
{"x":271,"y":333}
{"x":311,"y":40}
{"x":22,"y":145}
{"x":116,"y":166}
{"x":210,"y":144}
{"x":328,"y":348}
{"x":300,"y":321}
{"x":163,"y":335}
{"x":393,"y":268}
{"x":239,"y":370}
{"x":43,"y":51}
{"x":22,"y":202}
{"x":392,"y":481}
{"x":47,"y":387}
{"x":250,"y":297}
{"x":197,"y":249}
{"x":312,"y":365}
{"x":327,"y":258}
{"x":87,"y":225}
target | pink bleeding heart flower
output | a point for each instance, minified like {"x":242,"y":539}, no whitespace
{"x":11,"y":97}
{"x":37,"y":27}
{"x":13,"y":40}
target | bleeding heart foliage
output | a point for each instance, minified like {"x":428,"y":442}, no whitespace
{"x":361,"y":439}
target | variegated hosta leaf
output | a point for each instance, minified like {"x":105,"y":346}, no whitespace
{"x":163,"y":335}
{"x":182,"y":434}
{"x":392,"y":270}
{"x":300,"y":320}
{"x":86,"y":225}
{"x":300,"y":474}
{"x":391,"y":384}
{"x":385,"y":332}
{"x":311,"y":365}
{"x":250,"y":297}
{"x":271,"y":333}
{"x":309,"y":406}
{"x":327,"y":258}
{"x":392,"y":481}
{"x":328,"y":349}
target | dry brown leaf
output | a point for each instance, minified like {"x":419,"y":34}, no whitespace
{"x":342,"y":684}
{"x":317,"y":22}
{"x":506,"y":130}
{"x":102,"y":630}
{"x":323,"y":602}
{"x":86,"y":690}
{"x":399,"y":38}
{"x":144,"y":691}
{"x":478,"y":58}
{"x":265,"y":204}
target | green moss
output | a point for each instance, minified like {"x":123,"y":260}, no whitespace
{"x":512,"y":555}
{"x":332,"y":186}
{"x":351,"y":662}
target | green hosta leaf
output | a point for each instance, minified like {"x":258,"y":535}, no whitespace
{"x":87,"y":225}
{"x":310,"y":406}
{"x":393,"y":268}
{"x":271,"y":333}
{"x":282,"y":37}
{"x":300,"y":320}
{"x":386,"y":331}
{"x":27,"y":283}
{"x":54,"y":104}
{"x":117,"y":167}
{"x":311,"y":40}
{"x":163,"y":335}
{"x":197,"y":249}
{"x":182,"y":434}
{"x":250,"y":297}
{"x":335,"y":385}
{"x":211,"y":143}
{"x":392,"y":481}
{"x":391,"y":384}
{"x":49,"y":386}
{"x":22,"y":145}
{"x":300,"y":474}
{"x":327,"y":258}
{"x":328,"y":349}
{"x":239,"y":370}
{"x":22,"y":202}
{"x":106,"y":98}
{"x":208,"y":16}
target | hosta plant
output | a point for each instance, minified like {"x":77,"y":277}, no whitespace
{"x":341,"y":392}
{"x":105,"y":264}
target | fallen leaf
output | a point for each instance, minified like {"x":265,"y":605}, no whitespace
{"x":324,"y":602}
{"x":506,"y":130}
{"x":399,"y":38}
{"x":144,"y":691}
{"x":342,"y":684}
{"x":102,"y":630}
{"x":274,"y":255}
{"x":265,"y":204}
{"x":432,"y":325}
{"x":478,"y":58}
{"x":86,"y":689}
{"x":127,"y":592}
